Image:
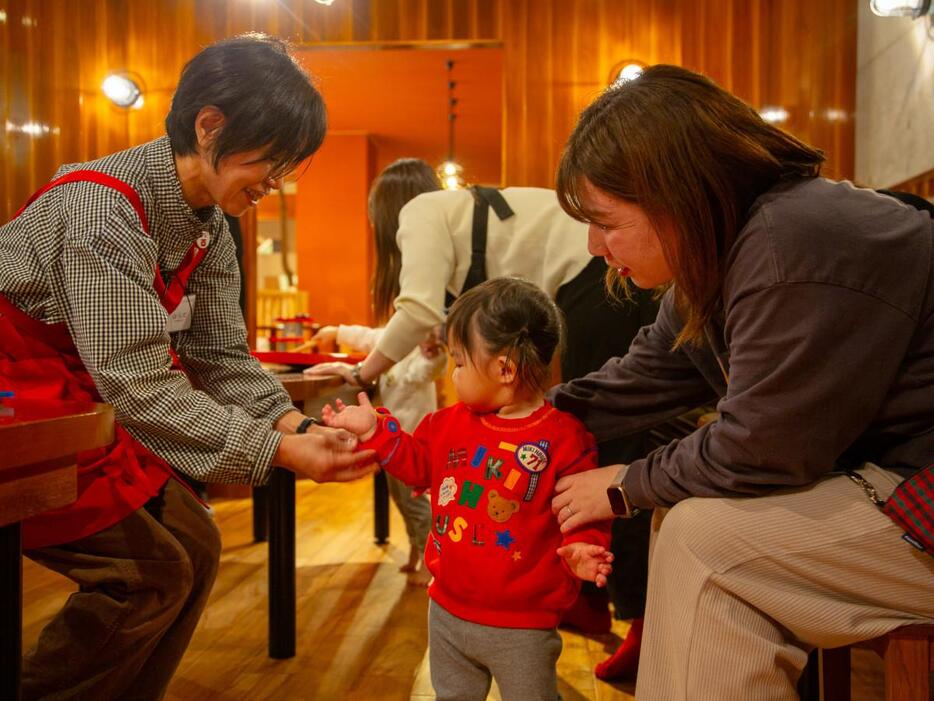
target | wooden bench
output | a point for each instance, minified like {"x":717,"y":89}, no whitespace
{"x":40,"y":441}
{"x":908,"y":653}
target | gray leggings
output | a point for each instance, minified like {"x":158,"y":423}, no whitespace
{"x":464,"y":657}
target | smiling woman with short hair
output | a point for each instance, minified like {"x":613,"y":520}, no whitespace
{"x":114,"y":270}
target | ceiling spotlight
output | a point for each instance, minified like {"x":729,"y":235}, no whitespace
{"x":325,"y":2}
{"x":122,"y":90}
{"x":900,"y":8}
{"x":450,"y":173}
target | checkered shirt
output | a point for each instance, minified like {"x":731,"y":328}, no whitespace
{"x":79,"y":255}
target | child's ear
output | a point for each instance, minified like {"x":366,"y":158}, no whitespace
{"x":507,"y":369}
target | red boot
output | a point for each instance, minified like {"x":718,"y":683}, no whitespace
{"x":623,"y":663}
{"x":590,"y":613}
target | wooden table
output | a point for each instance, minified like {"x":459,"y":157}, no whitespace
{"x":39,"y":441}
{"x":274,"y":512}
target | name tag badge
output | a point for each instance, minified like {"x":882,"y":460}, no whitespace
{"x":180,"y":319}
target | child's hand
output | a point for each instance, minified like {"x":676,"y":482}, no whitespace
{"x":588,"y":562}
{"x":360,"y":420}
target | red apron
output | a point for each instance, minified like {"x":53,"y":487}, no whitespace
{"x":40,"y":361}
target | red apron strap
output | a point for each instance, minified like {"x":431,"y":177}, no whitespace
{"x":170,"y":295}
{"x":93,"y":176}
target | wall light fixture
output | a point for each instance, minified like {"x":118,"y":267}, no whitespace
{"x":122,"y":90}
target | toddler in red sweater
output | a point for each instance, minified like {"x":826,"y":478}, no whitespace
{"x":503,"y":571}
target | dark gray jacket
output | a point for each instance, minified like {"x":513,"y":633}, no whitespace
{"x":827,"y":334}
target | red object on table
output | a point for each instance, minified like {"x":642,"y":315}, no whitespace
{"x":306,"y":359}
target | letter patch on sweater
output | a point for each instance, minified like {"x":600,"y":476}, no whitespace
{"x":478,"y":535}
{"x":471,"y":494}
{"x":492,"y":468}
{"x":457,"y":458}
{"x":457,"y":529}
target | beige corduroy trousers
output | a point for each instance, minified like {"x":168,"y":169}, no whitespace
{"x":741,"y":589}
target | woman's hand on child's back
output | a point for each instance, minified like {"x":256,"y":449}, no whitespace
{"x":588,"y":561}
{"x":360,"y":420}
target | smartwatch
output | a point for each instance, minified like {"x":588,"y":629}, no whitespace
{"x":619,"y":500}
{"x":306,"y":422}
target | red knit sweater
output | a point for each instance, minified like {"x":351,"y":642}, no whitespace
{"x":493,"y":538}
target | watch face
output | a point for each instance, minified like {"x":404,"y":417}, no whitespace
{"x":617,"y":500}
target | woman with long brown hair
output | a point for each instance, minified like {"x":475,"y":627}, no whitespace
{"x":805,"y":308}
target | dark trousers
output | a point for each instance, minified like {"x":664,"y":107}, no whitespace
{"x":143,"y":584}
{"x":599,"y":328}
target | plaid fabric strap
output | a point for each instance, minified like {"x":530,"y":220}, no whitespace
{"x":911,"y":506}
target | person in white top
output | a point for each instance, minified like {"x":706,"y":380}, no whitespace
{"x":425,"y":238}
{"x":408,"y":390}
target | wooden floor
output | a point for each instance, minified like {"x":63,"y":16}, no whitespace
{"x":362,"y":632}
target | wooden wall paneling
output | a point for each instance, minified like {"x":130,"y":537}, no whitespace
{"x":796,"y":53}
{"x":438,"y":20}
{"x":384,"y":23}
{"x":747,"y":63}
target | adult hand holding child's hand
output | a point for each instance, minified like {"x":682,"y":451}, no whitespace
{"x":325,"y":455}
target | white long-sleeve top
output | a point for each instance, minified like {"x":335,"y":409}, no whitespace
{"x":407,"y":389}
{"x":540,"y":243}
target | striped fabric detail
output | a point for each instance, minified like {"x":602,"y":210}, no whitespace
{"x":911,"y":506}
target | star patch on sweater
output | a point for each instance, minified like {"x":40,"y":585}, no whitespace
{"x":504,"y":539}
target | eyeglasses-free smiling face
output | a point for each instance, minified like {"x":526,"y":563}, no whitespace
{"x":623,"y":235}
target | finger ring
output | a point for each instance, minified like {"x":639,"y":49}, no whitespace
{"x":570,"y":511}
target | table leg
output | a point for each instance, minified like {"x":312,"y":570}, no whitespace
{"x":11,"y":611}
{"x":281,"y":564}
{"x":260,"y":514}
{"x":380,"y":507}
